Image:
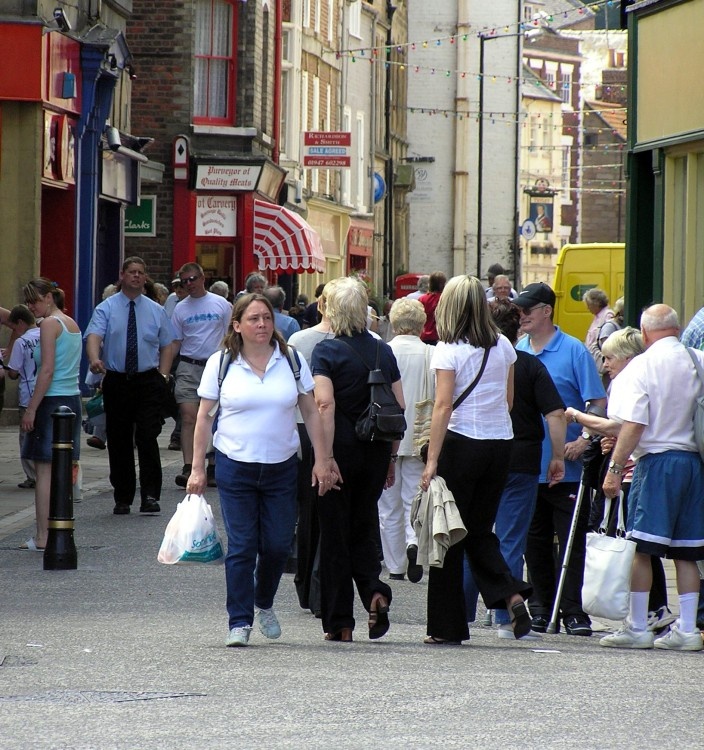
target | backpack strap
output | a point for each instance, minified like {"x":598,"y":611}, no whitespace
{"x":294,"y":362}
{"x":225,"y":361}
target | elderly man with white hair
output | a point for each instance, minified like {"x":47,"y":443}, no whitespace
{"x":654,"y":398}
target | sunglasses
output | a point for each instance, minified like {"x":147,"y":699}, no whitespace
{"x":529,"y":310}
{"x":189,"y":279}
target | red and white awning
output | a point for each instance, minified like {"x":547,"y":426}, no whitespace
{"x":284,"y":241}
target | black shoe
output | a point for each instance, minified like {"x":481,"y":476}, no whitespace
{"x":578,"y":625}
{"x":121,"y":509}
{"x":28,"y":484}
{"x":174,"y":445}
{"x":414,"y":571}
{"x":182,"y":478}
{"x":540,"y":623}
{"x":397,"y":576}
{"x":210,"y":475}
{"x":149,"y":505}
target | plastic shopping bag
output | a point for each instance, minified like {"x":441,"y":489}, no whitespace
{"x":191,"y":535}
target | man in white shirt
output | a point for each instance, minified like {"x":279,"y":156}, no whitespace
{"x":654,"y":398}
{"x":200,"y":323}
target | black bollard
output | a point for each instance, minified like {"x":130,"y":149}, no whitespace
{"x":60,"y":551}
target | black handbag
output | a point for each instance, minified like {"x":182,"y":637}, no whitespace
{"x":383,"y":420}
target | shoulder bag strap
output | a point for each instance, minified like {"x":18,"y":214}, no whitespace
{"x":473,"y":384}
{"x":697,"y":365}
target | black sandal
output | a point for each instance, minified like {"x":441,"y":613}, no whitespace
{"x":344,"y":635}
{"x":378,"y":616}
{"x":521,"y":620}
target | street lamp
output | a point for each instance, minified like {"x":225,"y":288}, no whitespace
{"x":483,"y":38}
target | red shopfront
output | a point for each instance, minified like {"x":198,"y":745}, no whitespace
{"x":226,"y":218}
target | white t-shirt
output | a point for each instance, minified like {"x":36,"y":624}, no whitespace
{"x":257,"y":418}
{"x":658,"y":389}
{"x":200,"y":324}
{"x":484,"y":414}
{"x":22,"y":361}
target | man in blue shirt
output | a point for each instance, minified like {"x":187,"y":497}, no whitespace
{"x":135,"y":384}
{"x":284,"y":324}
{"x":577,"y":380}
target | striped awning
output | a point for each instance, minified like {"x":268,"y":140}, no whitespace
{"x":284,"y":241}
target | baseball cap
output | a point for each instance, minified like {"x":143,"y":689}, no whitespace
{"x":536,"y":294}
{"x":177,"y":280}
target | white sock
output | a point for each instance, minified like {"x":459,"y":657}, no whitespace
{"x":639,"y":610}
{"x":688,"y":612}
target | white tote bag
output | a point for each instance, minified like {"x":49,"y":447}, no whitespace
{"x":191,"y":535}
{"x":607,"y":569}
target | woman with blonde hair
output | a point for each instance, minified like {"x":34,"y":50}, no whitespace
{"x":58,"y":357}
{"x":470,"y":447}
{"x":349,"y":519}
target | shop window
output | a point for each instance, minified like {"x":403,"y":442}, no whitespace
{"x":215,"y":62}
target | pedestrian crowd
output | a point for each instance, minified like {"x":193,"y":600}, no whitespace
{"x":520,"y":420}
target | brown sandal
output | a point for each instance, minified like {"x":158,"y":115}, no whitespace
{"x":378,"y":616}
{"x":433,"y":641}
{"x":344,"y":635}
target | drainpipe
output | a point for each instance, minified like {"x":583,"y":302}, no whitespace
{"x":462,"y":140}
{"x":516,"y":250}
{"x":389,"y":170}
{"x":278,"y":56}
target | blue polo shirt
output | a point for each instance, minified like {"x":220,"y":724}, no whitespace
{"x":577,"y":380}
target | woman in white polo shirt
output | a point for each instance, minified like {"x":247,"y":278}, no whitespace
{"x":256,"y":441}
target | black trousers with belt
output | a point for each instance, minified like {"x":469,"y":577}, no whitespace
{"x":133,"y":416}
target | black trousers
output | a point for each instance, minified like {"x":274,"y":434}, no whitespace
{"x":133,"y":416}
{"x":553,"y":515}
{"x":349,"y":533}
{"x":475,"y":471}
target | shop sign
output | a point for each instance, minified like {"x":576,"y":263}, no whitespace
{"x":227,"y":176}
{"x":330,"y":150}
{"x":216,"y":216}
{"x":140,"y":221}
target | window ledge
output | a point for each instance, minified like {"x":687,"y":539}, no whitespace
{"x":224,"y":130}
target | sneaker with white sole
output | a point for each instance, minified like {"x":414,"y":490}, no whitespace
{"x":626,"y":637}
{"x":268,"y":623}
{"x":677,"y":640}
{"x":660,"y":619}
{"x":239,"y":636}
{"x":506,"y":631}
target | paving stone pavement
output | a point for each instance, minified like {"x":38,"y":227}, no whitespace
{"x":126,"y":653}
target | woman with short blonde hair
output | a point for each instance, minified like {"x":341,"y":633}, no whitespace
{"x":407,"y":317}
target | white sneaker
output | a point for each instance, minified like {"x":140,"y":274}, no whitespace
{"x":239,"y":636}
{"x":660,"y":619}
{"x":268,"y":623}
{"x":628,"y":638}
{"x":677,"y":640}
{"x":506,"y":631}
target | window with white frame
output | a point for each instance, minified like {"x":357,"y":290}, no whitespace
{"x":304,"y":114}
{"x":289,"y":97}
{"x":316,"y":21}
{"x":566,"y":159}
{"x":215,"y":62}
{"x":306,"y":13}
{"x":315,"y":125}
{"x":346,"y":186}
{"x":331,"y":19}
{"x":354,"y":23}
{"x":361,"y":162}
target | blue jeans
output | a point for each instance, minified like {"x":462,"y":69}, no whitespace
{"x":512,"y":522}
{"x":258,"y":503}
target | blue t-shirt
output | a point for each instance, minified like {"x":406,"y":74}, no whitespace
{"x":577,"y":380}
{"x":347,"y":365}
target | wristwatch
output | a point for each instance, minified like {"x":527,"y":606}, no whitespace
{"x":615,"y":468}
{"x":586,"y":435}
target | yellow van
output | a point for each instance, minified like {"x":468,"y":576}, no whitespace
{"x":580,"y":268}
